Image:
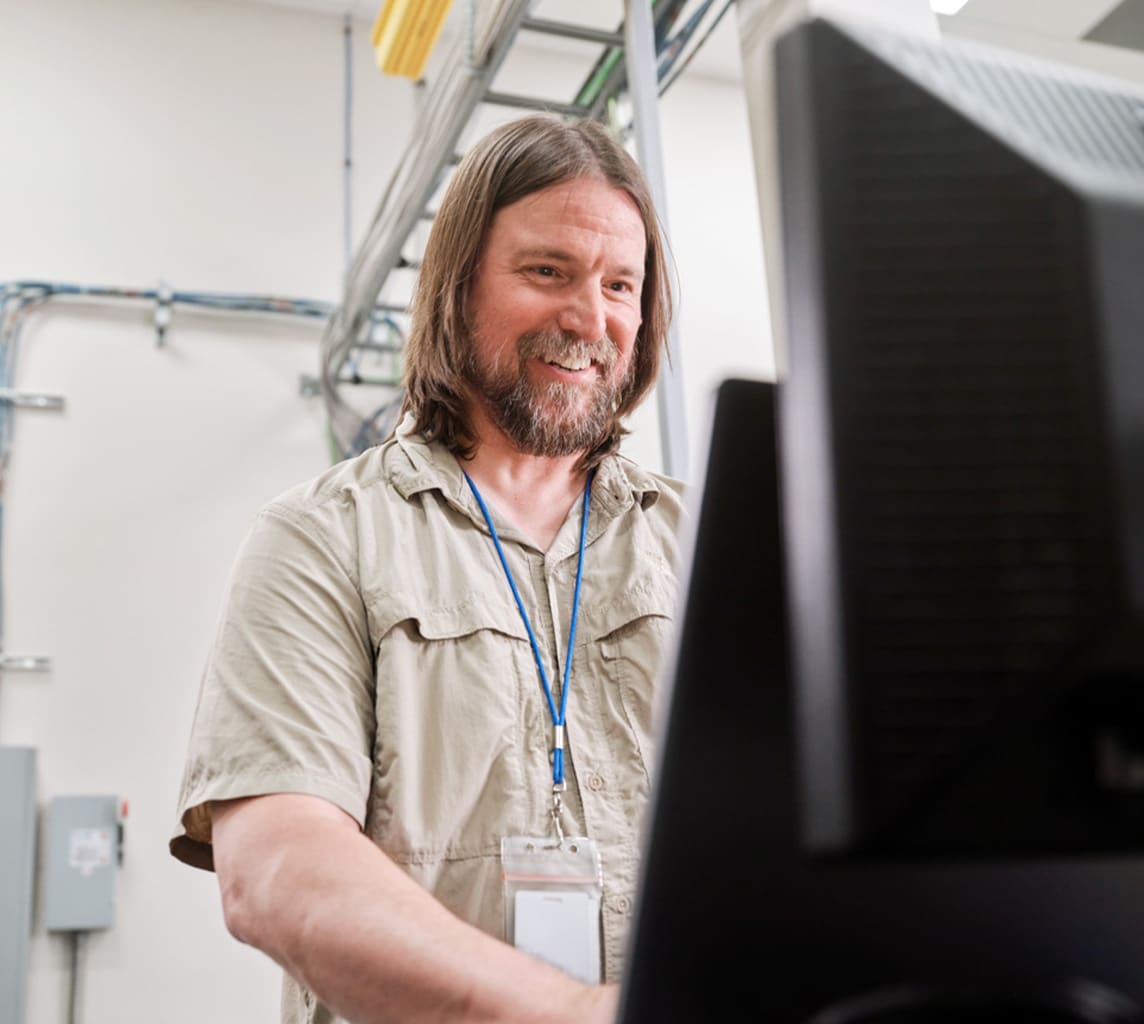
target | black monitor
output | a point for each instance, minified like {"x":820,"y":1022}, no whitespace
{"x":963,"y":447}
{"x":902,"y":777}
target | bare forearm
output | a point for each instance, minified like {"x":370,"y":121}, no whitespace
{"x":371,"y":944}
{"x":382,"y":949}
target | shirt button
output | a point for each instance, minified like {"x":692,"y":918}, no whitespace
{"x":623,"y":904}
{"x":595,"y":782}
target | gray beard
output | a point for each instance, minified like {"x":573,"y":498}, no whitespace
{"x":548,"y":419}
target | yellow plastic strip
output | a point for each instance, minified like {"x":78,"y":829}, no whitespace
{"x":405,"y":33}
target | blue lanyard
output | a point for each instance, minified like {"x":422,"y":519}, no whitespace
{"x":557,"y":718}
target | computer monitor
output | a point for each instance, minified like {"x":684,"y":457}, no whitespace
{"x":963,"y":446}
{"x":902,"y":775}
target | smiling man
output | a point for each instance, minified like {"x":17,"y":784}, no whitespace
{"x":432,"y":682}
{"x":573,"y":310}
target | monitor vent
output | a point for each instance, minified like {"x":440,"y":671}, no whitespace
{"x":1072,"y":116}
{"x":966,"y":423}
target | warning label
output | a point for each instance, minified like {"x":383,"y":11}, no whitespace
{"x":88,"y":849}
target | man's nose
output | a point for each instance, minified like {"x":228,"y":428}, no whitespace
{"x":583,"y":312}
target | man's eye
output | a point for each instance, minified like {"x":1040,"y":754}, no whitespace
{"x":545,"y":271}
{"x":621,"y":286}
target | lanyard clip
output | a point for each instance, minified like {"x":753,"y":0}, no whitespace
{"x":558,"y":755}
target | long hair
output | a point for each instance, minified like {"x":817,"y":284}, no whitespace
{"x":512,"y":162}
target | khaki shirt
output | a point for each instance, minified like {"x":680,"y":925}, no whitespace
{"x":371,"y":653}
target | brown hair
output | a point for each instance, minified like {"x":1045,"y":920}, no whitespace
{"x":512,"y":162}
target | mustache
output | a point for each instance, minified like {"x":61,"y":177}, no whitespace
{"x":558,"y":345}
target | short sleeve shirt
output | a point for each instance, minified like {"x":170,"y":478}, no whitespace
{"x":371,"y":653}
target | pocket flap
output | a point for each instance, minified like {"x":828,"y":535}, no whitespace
{"x":443,"y":622}
{"x":647,"y":595}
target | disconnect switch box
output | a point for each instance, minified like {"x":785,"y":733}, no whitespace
{"x":81,"y":859}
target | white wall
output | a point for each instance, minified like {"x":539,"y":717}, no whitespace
{"x":201,"y":143}
{"x":713,"y":214}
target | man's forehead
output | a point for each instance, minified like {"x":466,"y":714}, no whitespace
{"x":587,"y":190}
{"x":547,"y":222}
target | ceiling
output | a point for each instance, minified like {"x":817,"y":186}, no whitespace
{"x":1117,"y":22}
{"x":1065,"y":19}
{"x":718,"y":59}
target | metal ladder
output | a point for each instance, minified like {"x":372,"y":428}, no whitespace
{"x":456,"y":97}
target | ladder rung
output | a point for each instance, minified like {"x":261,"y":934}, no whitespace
{"x":377,"y":382}
{"x":504,"y":99}
{"x":377,"y":346}
{"x":559,"y":28}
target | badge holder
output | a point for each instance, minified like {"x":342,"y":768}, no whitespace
{"x":553,"y":890}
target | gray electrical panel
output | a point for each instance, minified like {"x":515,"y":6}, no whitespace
{"x":80,"y":862}
{"x":17,"y":870}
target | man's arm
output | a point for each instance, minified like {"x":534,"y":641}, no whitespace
{"x":301,"y":883}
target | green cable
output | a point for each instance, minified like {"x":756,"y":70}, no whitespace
{"x":591,"y":89}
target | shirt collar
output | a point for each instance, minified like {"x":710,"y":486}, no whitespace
{"x":427,"y":466}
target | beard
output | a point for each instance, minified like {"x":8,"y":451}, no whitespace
{"x":550,"y":418}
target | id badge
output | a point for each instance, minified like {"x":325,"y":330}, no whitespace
{"x":553,"y":890}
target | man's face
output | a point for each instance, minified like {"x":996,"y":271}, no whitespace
{"x":553,"y":312}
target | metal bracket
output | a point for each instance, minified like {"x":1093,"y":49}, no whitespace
{"x":163,"y":299}
{"x":506,"y":99}
{"x":32,"y":400}
{"x":25,"y":663}
{"x":588,"y":35}
{"x":640,"y":56}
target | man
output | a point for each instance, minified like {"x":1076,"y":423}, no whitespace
{"x":374,"y":719}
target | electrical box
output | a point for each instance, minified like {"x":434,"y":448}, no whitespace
{"x":17,"y":870}
{"x":80,"y":863}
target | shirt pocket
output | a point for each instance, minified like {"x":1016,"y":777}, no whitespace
{"x":631,"y":633}
{"x":448,"y":759}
